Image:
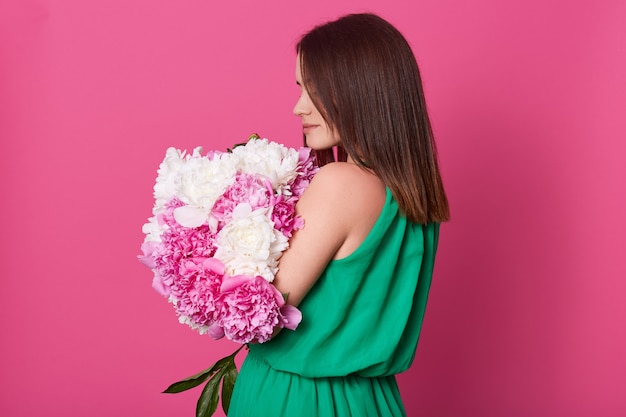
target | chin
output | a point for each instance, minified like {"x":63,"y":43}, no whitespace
{"x":320,"y":145}
{"x":319,"y":148}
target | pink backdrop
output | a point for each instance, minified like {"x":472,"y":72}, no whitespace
{"x":527,"y":315}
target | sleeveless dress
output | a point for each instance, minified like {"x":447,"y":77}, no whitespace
{"x":360,"y":326}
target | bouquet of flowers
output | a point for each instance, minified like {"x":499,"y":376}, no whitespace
{"x":220,"y":223}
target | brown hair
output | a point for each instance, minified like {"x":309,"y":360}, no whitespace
{"x":366,"y":84}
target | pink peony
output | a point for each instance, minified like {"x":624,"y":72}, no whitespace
{"x":149,"y":248}
{"x":253,"y":308}
{"x":177,"y":244}
{"x":197,"y":292}
{"x":306,"y":170}
{"x":247,"y":188}
{"x":284,"y":216}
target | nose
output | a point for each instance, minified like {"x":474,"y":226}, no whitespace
{"x":303,"y":105}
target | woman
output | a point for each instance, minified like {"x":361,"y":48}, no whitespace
{"x":360,"y":269}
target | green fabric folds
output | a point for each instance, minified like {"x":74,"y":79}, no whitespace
{"x":360,"y":326}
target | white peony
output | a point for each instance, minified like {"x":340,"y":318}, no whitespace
{"x":201,"y":182}
{"x":249,"y":244}
{"x":204,"y":180}
{"x":152,"y":230}
{"x":271,"y":159}
{"x":182,"y":319}
{"x":168,"y":177}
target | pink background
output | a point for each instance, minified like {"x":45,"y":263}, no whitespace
{"x":527,"y":315}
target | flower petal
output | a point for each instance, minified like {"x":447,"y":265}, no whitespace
{"x":242,"y":210}
{"x":215,"y":331}
{"x":230,"y":283}
{"x":159,"y":286}
{"x":291,"y":316}
{"x":214,"y":265}
{"x":189,"y":216}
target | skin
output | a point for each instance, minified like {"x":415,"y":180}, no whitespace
{"x":318,"y":133}
{"x":339,"y":208}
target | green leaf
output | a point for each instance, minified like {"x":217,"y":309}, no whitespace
{"x":236,"y":145}
{"x":191,"y":382}
{"x":251,"y":137}
{"x":207,"y":403}
{"x":199,"y":378}
{"x":228,"y":384}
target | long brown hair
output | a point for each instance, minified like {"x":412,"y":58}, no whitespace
{"x":363,"y":77}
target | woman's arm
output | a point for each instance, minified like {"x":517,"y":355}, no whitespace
{"x":339,"y":208}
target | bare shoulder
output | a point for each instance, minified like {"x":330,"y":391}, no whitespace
{"x":339,"y":208}
{"x":352,"y":199}
{"x":348,"y":181}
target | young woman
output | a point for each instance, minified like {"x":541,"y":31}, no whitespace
{"x":360,"y":269}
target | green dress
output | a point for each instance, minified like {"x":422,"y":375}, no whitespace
{"x":360,"y":326}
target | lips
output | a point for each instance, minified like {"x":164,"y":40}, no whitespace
{"x":306,"y":127}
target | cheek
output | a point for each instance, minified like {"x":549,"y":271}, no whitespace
{"x":332,"y":134}
{"x":331,"y":138}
